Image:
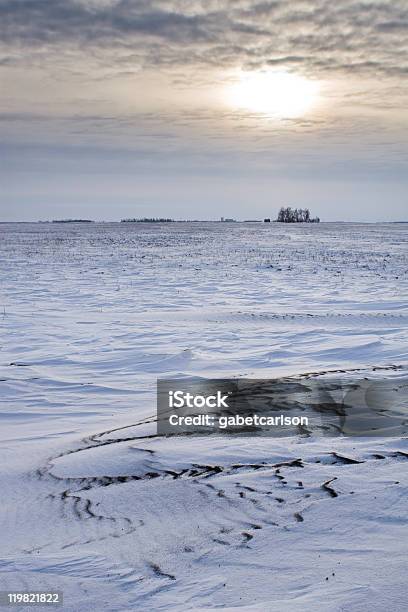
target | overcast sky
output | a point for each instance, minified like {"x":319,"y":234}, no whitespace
{"x":116,"y":108}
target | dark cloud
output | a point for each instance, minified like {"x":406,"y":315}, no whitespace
{"x":38,"y":21}
{"x":393,"y":26}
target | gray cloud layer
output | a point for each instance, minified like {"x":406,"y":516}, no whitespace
{"x":321,"y":35}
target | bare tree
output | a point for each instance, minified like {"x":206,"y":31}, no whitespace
{"x":295,"y":215}
{"x":281,"y":215}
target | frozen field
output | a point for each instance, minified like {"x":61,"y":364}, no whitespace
{"x":95,"y":504}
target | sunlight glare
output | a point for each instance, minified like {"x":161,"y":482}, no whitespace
{"x":277,"y":94}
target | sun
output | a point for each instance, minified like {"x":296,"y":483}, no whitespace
{"x":277,"y":94}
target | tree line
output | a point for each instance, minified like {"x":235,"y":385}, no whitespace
{"x":295,"y":215}
{"x":147,"y":220}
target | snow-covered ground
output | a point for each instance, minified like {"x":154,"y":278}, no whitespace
{"x":93,"y":503}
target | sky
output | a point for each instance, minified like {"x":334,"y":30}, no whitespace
{"x":197,"y":109}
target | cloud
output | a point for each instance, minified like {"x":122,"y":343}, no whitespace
{"x":38,"y":21}
{"x":318,"y":36}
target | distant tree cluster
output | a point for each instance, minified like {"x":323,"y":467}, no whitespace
{"x":296,"y":215}
{"x":72,"y":221}
{"x":147,"y":220}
